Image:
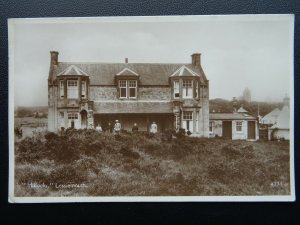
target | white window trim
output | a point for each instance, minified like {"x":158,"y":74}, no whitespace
{"x":183,"y":94}
{"x":212,"y":127}
{"x":128,"y":82}
{"x":61,"y":89}
{"x":122,"y":88}
{"x":236,"y":125}
{"x":73,"y":89}
{"x":83,"y":90}
{"x":176,"y":81}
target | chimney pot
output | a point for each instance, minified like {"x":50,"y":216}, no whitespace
{"x":54,"y":57}
{"x":126,"y":60}
{"x":196,"y":59}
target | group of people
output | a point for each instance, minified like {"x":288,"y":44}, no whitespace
{"x":117,"y":128}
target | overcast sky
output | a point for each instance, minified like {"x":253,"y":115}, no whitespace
{"x":237,"y":52}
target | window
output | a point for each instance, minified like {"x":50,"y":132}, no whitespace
{"x":123,"y":88}
{"x":62,"y":119}
{"x":187,"y":115}
{"x":187,"y":89}
{"x":72,"y":116}
{"x":132,"y":88}
{"x":197,"y":121}
{"x":61,"y":89}
{"x":72,"y":89}
{"x":210,"y":127}
{"x":196,"y":89}
{"x":128,"y":88}
{"x":239,"y":126}
{"x":176,"y":89}
{"x":83,"y":89}
{"x":187,"y":122}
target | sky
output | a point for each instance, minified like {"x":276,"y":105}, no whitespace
{"x":236,"y":51}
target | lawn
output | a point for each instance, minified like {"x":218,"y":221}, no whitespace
{"x":87,"y":163}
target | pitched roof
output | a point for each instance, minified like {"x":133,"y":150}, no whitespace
{"x":230,"y":116}
{"x":132,"y":107}
{"x":271,"y":117}
{"x":150,"y":73}
{"x":283,"y":119}
{"x":73,"y":70}
{"x":242,"y":110}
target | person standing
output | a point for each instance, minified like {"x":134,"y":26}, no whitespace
{"x":117,"y":128}
{"x":99,"y":128}
{"x":153,"y":128}
{"x":135,"y":128}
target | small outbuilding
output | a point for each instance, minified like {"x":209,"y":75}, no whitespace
{"x":235,"y":126}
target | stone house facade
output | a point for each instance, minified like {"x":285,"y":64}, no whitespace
{"x":84,"y":95}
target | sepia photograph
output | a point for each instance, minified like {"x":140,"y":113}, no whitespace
{"x":158,"y":108}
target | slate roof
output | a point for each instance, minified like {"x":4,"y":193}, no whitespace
{"x":230,"y":116}
{"x":150,"y":73}
{"x":132,"y":107}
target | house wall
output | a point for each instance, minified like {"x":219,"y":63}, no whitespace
{"x":143,"y":93}
{"x":281,"y":134}
{"x":217,"y":128}
{"x":240,"y":135}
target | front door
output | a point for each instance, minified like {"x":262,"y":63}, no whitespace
{"x":251,"y":129}
{"x":83,"y":119}
{"x":227,"y":129}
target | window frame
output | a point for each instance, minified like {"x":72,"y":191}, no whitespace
{"x":174,"y":88}
{"x":73,"y":89}
{"x":83,"y":89}
{"x":122,"y":87}
{"x":239,"y":124}
{"x":196,"y":89}
{"x":184,"y":115}
{"x":61,"y":89}
{"x":74,"y":116}
{"x":187,"y":89}
{"x":210,"y":127}
{"x":134,"y":87}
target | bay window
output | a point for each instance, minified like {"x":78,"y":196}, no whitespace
{"x":176,"y":89}
{"x":187,"y":121}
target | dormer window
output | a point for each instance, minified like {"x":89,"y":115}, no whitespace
{"x":187,"y":89}
{"x":128,"y":88}
{"x":72,"y":89}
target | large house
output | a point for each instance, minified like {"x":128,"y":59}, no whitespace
{"x":83,"y":95}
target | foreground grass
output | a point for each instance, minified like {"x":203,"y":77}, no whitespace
{"x":86,"y":163}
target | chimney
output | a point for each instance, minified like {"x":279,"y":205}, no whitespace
{"x":196,"y":59}
{"x":126,"y":60}
{"x":234,"y":104}
{"x":54,"y":57}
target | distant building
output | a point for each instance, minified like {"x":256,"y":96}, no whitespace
{"x":246,"y":95}
{"x":278,"y":122}
{"x":82,"y":95}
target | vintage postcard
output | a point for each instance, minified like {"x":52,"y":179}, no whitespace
{"x":168,"y":108}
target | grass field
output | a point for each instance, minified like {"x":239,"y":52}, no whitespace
{"x":87,"y":163}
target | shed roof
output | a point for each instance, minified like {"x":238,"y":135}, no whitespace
{"x":150,"y":73}
{"x":230,"y":116}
